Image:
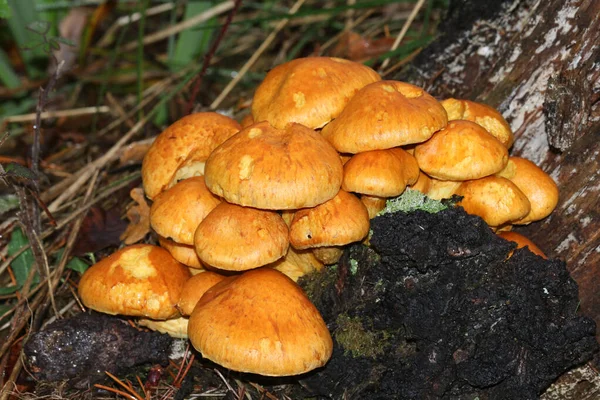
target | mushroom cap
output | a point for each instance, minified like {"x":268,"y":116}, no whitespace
{"x":297,"y":263}
{"x":177,"y":212}
{"x":186,"y":144}
{"x":495,"y":199}
{"x":274,"y":169}
{"x":439,"y":189}
{"x":461,"y":151}
{"x":422,"y":184}
{"x":194,"y":288}
{"x":383,"y":115}
{"x":373,"y":204}
{"x":521,"y":242}
{"x":140,"y":280}
{"x":341,"y":220}
{"x":310,"y":91}
{"x":382,"y":173}
{"x":260,"y":322}
{"x":237,"y":238}
{"x":175,"y":327}
{"x":483,"y":115}
{"x":184,"y":253}
{"x":537,"y":185}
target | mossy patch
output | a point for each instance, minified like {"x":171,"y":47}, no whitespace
{"x":355,"y":339}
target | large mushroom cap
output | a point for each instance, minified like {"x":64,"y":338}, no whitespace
{"x":383,"y":115}
{"x":185,"y":145}
{"x":237,"y":238}
{"x":310,"y":91}
{"x":273,"y":169}
{"x":140,"y":280}
{"x":538,"y":186}
{"x":481,"y":114}
{"x":461,"y":151}
{"x":260,"y":322}
{"x":177,"y":212}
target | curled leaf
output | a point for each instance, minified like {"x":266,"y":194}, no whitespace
{"x":139,"y":218}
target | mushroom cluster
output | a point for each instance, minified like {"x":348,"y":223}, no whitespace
{"x":242,"y":211}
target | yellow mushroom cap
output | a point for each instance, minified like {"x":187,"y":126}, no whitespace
{"x":341,"y":220}
{"x":140,"y":280}
{"x":383,"y":115}
{"x":194,"y":289}
{"x":274,"y":169}
{"x":184,"y":253}
{"x":310,"y":91}
{"x":175,"y":327}
{"x":521,"y":242}
{"x":495,"y":199}
{"x":461,"y":151}
{"x":185,"y":143}
{"x":537,"y":185}
{"x":483,"y":115}
{"x":382,"y":173}
{"x":177,"y":212}
{"x":260,"y":322}
{"x":237,"y":238}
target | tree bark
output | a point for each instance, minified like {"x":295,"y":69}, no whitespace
{"x":538,"y":62}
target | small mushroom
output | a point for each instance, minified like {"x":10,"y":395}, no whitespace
{"x":521,"y":241}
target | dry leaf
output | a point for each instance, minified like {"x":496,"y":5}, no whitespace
{"x":358,"y":48}
{"x":139,"y":218}
{"x":134,"y":152}
{"x":99,"y":230}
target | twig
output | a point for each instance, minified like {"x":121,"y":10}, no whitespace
{"x":264,"y":45}
{"x":209,"y":55}
{"x":403,"y":31}
{"x":188,"y":23}
{"x":76,"y":112}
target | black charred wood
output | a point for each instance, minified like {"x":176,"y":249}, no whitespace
{"x":80,"y":349}
{"x":437,"y":310}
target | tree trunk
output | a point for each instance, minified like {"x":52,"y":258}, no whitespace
{"x":538,"y":62}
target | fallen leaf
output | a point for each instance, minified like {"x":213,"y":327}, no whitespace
{"x":355,"y":47}
{"x":139,"y":218}
{"x":134,"y":153}
{"x":99,"y":229}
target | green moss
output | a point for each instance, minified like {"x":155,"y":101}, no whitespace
{"x":356,"y":340}
{"x":314,"y":285}
{"x":353,"y":266}
{"x":412,"y":200}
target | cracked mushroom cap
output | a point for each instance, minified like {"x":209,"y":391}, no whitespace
{"x":381,"y":173}
{"x":310,"y":91}
{"x":537,"y":185}
{"x":383,"y":115}
{"x":339,"y":221}
{"x":273,"y":169}
{"x":194,"y":288}
{"x":140,"y":280}
{"x":260,"y":322}
{"x":177,"y":212}
{"x":180,"y":151}
{"x":236,"y":238}
{"x":483,"y":115}
{"x":495,"y":199}
{"x":461,"y":151}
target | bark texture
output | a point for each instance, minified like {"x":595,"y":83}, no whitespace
{"x":538,"y":62}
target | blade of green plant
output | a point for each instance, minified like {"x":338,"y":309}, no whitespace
{"x":5,"y":11}
{"x":76,"y":264}
{"x":8,"y":77}
{"x":23,"y":15}
{"x":7,"y":290}
{"x":23,"y":263}
{"x":140,"y":54}
{"x":8,"y":202}
{"x":192,"y":43}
